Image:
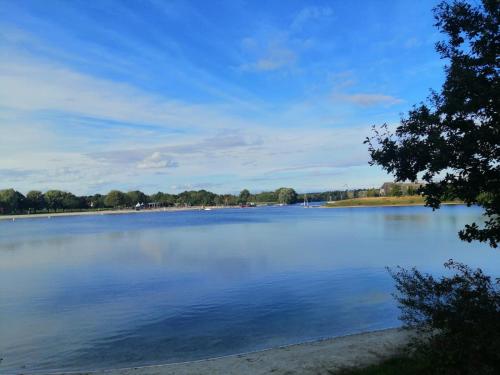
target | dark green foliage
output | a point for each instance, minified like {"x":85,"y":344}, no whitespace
{"x":372,"y":193}
{"x":334,"y":195}
{"x":411,"y":191}
{"x":96,"y":201}
{"x":453,"y":140}
{"x":286,"y":195}
{"x":71,"y":201}
{"x":266,"y":196}
{"x":227,"y":200}
{"x":400,"y":365}
{"x":54,"y":199}
{"x":396,"y":191}
{"x":34,"y":200}
{"x":116,"y":198}
{"x":164,"y":199}
{"x":457,"y":317}
{"x":11,"y":201}
{"x":136,"y":196}
{"x":196,"y":198}
{"x":244,"y":196}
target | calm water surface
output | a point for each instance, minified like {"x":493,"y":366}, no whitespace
{"x":90,"y":292}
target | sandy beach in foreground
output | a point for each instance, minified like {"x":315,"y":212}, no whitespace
{"x":318,"y":357}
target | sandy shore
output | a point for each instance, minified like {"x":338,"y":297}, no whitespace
{"x":319,"y":357}
{"x":107,"y":212}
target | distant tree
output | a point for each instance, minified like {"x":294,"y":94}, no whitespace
{"x":70,"y":201}
{"x":266,"y":196}
{"x":115,"y":198}
{"x":35,"y":200}
{"x":372,"y":193}
{"x":96,"y":201}
{"x":244,"y":196}
{"x":229,"y":200}
{"x":11,"y":201}
{"x":345,"y":194}
{"x":411,"y":191}
{"x":286,"y":195}
{"x":396,"y":191}
{"x":196,"y":198}
{"x":163,"y":198}
{"x":54,"y":199}
{"x":134,"y":197}
{"x":456,"y":134}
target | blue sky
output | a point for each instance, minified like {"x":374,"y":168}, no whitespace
{"x":221,"y":95}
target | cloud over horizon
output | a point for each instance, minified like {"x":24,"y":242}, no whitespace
{"x":195,"y":95}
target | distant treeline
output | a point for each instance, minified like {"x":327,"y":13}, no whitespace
{"x":13,"y":202}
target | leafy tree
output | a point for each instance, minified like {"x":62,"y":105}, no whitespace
{"x":196,"y":198}
{"x":266,"y":196}
{"x":96,"y":201}
{"x":163,"y":198}
{"x":244,"y":196}
{"x":453,"y":140}
{"x":35,"y":200}
{"x":411,"y":191}
{"x":11,"y":201}
{"x":136,"y":196}
{"x":70,"y":201}
{"x":115,"y":198}
{"x":457,"y":319}
{"x":372,"y":193}
{"x":396,"y":191}
{"x":286,"y":195}
{"x":54,"y":199}
{"x":229,"y":200}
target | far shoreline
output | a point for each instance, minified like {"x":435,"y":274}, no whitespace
{"x":393,"y":205}
{"x":385,"y":201}
{"x":46,"y":215}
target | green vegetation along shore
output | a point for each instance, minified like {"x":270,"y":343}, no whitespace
{"x":412,"y":200}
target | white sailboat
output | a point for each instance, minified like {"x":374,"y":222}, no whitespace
{"x":306,"y":202}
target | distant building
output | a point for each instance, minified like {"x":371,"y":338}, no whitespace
{"x":386,"y":188}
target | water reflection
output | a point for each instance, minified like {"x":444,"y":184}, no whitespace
{"x":96,"y":292}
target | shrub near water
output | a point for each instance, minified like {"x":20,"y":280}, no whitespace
{"x":457,"y":318}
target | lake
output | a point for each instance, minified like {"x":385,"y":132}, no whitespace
{"x":94,"y":292}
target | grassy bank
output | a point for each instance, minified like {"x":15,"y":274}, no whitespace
{"x":392,"y":366}
{"x":382,"y":201}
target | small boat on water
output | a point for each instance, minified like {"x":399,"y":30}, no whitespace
{"x":207,"y":209}
{"x":306,"y":202}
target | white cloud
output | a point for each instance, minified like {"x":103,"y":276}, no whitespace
{"x":36,"y":86}
{"x":157,"y":160}
{"x":309,"y":14}
{"x":368,"y":100}
{"x":221,"y":149}
{"x":275,"y":59}
{"x":269,"y":55}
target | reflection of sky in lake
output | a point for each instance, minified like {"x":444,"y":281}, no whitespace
{"x":101,"y":291}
